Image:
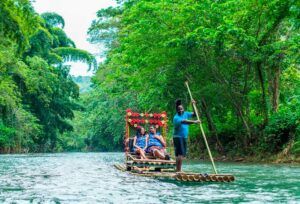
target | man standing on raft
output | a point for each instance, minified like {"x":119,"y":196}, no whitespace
{"x":181,"y":129}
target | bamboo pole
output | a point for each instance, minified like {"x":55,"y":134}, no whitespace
{"x":201,"y":128}
{"x":190,"y":177}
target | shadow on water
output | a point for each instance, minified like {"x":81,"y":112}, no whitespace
{"x":190,"y":183}
{"x":12,"y":189}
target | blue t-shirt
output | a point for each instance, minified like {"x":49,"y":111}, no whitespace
{"x":154,"y":141}
{"x":180,"y":129}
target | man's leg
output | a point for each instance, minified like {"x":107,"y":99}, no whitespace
{"x":178,"y":163}
{"x":178,"y":153}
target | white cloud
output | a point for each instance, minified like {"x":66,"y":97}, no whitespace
{"x":78,"y":15}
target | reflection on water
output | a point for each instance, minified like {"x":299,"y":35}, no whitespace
{"x":91,"y":178}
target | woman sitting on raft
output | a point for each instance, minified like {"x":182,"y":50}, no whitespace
{"x":157,"y":145}
{"x":140,"y":142}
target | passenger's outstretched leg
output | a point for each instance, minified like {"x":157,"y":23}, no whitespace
{"x":158,"y":154}
{"x":141,"y":153}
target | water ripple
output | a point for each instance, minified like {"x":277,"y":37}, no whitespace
{"x":91,"y":178}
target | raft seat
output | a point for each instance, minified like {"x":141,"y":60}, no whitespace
{"x":133,"y":160}
{"x":153,"y":164}
{"x":136,"y":155}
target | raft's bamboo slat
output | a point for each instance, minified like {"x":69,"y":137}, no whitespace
{"x":130,"y":156}
{"x":154,"y":161}
{"x":161,"y":167}
{"x":120,"y":167}
{"x":150,"y":164}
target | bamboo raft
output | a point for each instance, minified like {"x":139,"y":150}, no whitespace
{"x":158,"y":168}
{"x":182,"y":176}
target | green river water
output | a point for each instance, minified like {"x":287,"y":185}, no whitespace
{"x":91,"y":178}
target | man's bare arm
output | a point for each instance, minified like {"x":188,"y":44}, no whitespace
{"x":190,"y":122}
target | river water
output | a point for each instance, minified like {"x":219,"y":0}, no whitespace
{"x":91,"y":178}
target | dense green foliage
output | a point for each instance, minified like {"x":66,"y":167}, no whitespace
{"x":37,"y":94}
{"x":241,"y":58}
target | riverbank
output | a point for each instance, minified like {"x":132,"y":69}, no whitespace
{"x":265,"y":159}
{"x":282,"y":157}
{"x":291,"y":159}
{"x":251,"y":155}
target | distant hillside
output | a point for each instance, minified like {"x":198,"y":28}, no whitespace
{"x":84,"y":83}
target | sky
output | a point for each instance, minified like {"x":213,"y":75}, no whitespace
{"x":78,"y":15}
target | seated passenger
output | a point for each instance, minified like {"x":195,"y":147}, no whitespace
{"x":140,"y":142}
{"x":157,"y":144}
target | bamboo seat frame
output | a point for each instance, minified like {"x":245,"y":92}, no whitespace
{"x":132,"y":160}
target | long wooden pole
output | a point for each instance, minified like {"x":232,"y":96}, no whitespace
{"x":202,"y":131}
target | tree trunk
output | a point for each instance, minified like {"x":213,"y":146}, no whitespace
{"x":263,"y":91}
{"x":211,"y":125}
{"x":246,"y":89}
{"x":238,"y":108}
{"x":275,"y":89}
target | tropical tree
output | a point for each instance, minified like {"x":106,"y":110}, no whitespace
{"x":37,"y":94}
{"x":235,"y":54}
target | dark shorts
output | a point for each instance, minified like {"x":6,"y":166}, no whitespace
{"x":180,"y":146}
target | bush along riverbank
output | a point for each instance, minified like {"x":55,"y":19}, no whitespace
{"x":288,"y":154}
